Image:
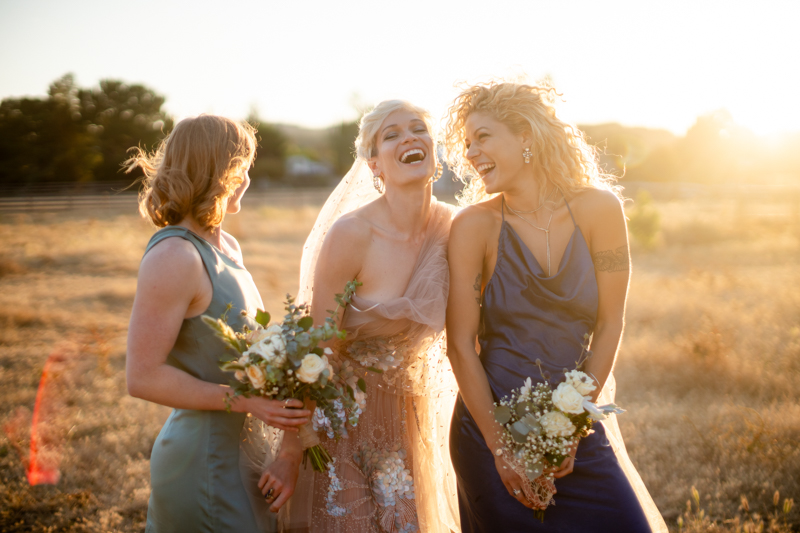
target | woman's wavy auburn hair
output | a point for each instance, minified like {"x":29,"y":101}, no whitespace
{"x":194,"y":171}
{"x":368,"y":128}
{"x":561,"y":155}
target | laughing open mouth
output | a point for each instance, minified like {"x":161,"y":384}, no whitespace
{"x":415,"y":155}
{"x":484,"y":168}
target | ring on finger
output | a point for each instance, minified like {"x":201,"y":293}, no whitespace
{"x":515,"y":491}
{"x":269,"y":495}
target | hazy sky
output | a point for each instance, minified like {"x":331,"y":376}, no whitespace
{"x":639,"y":62}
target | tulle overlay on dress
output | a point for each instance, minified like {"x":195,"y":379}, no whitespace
{"x":393,"y":472}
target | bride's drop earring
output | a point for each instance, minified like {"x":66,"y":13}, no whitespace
{"x":527,"y":155}
{"x":377,"y":182}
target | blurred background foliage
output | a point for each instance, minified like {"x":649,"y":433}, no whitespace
{"x":76,"y":136}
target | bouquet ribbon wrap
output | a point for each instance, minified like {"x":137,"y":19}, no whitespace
{"x":308,"y":437}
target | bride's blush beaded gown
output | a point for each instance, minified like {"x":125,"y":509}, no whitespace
{"x":393,"y":471}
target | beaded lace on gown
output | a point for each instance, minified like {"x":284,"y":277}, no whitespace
{"x":392,"y":473}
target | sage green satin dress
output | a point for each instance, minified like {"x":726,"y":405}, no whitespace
{"x":194,"y":468}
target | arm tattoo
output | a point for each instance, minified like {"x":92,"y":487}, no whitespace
{"x":612,"y":260}
{"x":477,"y":287}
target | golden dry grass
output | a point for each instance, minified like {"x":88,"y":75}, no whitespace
{"x":709,"y":370}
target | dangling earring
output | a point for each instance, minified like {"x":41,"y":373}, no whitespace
{"x":439,"y":173}
{"x":377,"y":182}
{"x":527,"y":155}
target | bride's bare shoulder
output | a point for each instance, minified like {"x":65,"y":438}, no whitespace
{"x":352,"y":229}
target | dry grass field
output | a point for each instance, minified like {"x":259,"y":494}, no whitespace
{"x":709,"y":370}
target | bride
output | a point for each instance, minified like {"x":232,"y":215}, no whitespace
{"x":383,"y":227}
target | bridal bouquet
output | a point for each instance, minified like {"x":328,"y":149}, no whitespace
{"x":542,"y":425}
{"x":284,"y":360}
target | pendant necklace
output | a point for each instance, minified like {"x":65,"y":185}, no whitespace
{"x":546,"y":229}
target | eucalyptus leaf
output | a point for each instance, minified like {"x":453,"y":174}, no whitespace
{"x":519,"y":437}
{"x":502,"y":414}
{"x":306,"y":322}
{"x":524,"y":408}
{"x":521,"y":427}
{"x":530,"y":421}
{"x":534,"y":470}
{"x":262,"y":317}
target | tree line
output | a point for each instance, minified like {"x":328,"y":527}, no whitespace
{"x":76,"y":135}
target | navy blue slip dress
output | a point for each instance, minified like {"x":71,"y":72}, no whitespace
{"x":527,"y":315}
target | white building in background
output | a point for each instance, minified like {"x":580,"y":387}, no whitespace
{"x":300,"y":165}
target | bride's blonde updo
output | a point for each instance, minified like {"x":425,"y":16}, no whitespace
{"x":195,"y":170}
{"x":368,"y":128}
{"x":561,"y":155}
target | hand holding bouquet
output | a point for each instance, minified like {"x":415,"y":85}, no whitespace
{"x":284,"y":360}
{"x":542,"y":425}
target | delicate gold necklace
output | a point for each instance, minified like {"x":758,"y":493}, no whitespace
{"x":546,"y":229}
{"x":534,"y":210}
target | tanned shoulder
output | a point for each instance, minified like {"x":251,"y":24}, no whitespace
{"x":603,"y":217}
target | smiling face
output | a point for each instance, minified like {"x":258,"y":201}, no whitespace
{"x":403,"y":150}
{"x":495,"y":152}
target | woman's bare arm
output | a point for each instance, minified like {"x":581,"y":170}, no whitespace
{"x":173,"y":285}
{"x":339,"y":262}
{"x":609,"y":247}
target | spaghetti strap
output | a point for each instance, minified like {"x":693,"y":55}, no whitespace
{"x":503,"y":208}
{"x":570,"y":211}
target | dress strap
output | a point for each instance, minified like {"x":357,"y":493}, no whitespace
{"x":211,"y":261}
{"x":570,"y":211}
{"x":503,"y":208}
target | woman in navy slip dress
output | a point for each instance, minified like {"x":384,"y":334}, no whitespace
{"x":528,"y":307}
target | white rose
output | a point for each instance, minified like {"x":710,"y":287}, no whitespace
{"x":272,"y":349}
{"x":311,"y":367}
{"x":256,"y":335}
{"x":569,"y":400}
{"x":240,"y":375}
{"x":557,"y":424}
{"x":256,"y":376}
{"x":581,"y":381}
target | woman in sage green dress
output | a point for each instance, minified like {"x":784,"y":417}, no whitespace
{"x":190,"y":268}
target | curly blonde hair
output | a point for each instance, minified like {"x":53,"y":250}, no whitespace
{"x":367,"y":142}
{"x":194,"y":170}
{"x":561,"y":155}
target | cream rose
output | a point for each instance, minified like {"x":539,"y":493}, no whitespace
{"x":557,"y":424}
{"x":311,"y":367}
{"x":256,"y":335}
{"x":581,"y":381}
{"x":272,"y":349}
{"x":256,"y":376}
{"x":569,"y":400}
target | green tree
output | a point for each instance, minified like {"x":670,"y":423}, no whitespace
{"x":121,"y":116}
{"x":270,"y":160}
{"x":45,"y":140}
{"x":77,"y":135}
{"x":341,"y":141}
